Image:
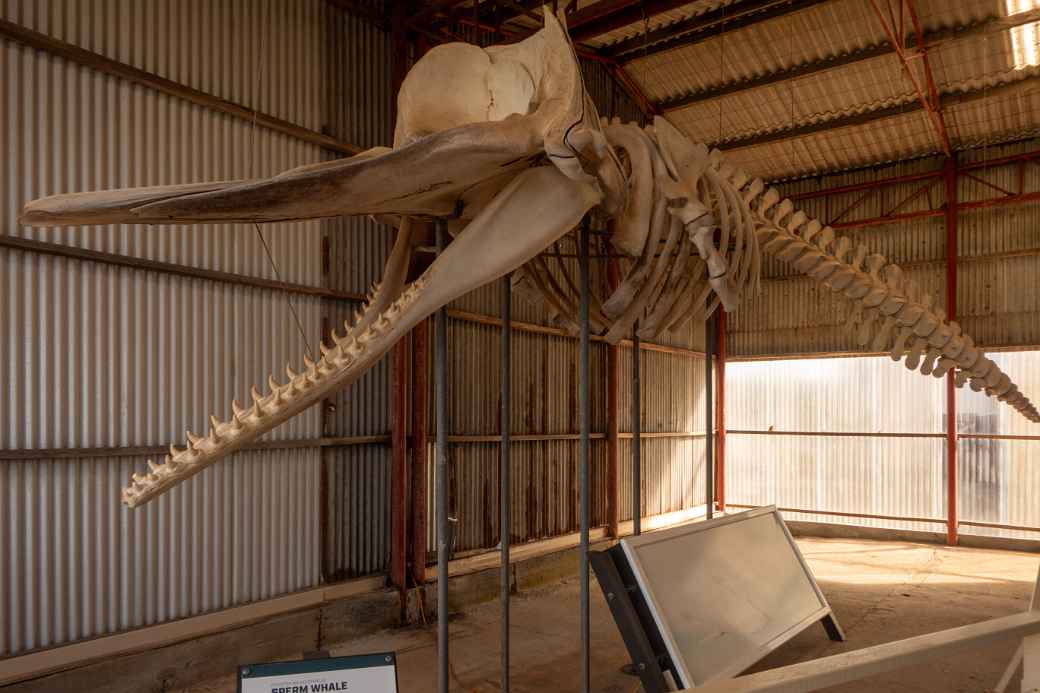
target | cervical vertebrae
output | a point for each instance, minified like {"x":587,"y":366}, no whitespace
{"x":513,"y":150}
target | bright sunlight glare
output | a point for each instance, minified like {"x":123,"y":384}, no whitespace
{"x":1023,"y":38}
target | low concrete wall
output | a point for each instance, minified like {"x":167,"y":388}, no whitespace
{"x":837,"y":531}
{"x":285,"y":636}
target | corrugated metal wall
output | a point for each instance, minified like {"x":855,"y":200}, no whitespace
{"x":359,"y":109}
{"x":545,"y":401}
{"x":111,"y":358}
{"x":899,"y":475}
{"x":892,"y":476}
{"x":999,"y":478}
{"x":611,"y":100}
{"x":999,"y":258}
{"x":99,"y":356}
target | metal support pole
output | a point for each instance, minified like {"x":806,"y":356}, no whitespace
{"x":950,"y":172}
{"x":441,"y":405}
{"x":505,"y":495}
{"x":720,"y":415}
{"x":637,"y":441}
{"x":613,"y":420}
{"x":709,"y":419}
{"x":586,"y":421}
{"x":613,"y":441}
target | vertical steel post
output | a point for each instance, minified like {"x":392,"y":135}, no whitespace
{"x":586,"y":421}
{"x":950,"y":174}
{"x":720,"y":415}
{"x":613,"y":417}
{"x":441,"y":404}
{"x":613,"y":386}
{"x":613,"y":441}
{"x":505,"y":494}
{"x":709,"y":419}
{"x":637,"y":442}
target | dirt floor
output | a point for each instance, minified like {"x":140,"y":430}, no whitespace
{"x":880,"y":591}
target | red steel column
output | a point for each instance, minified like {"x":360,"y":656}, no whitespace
{"x":720,"y":415}
{"x":950,"y":172}
{"x":399,"y":470}
{"x":399,"y":375}
{"x":420,"y":440}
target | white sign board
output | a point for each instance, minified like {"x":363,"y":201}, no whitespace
{"x":726,"y":592}
{"x":373,"y":673}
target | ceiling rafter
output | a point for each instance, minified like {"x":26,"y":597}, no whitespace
{"x":946,"y":101}
{"x":608,"y":15}
{"x":702,"y":27}
{"x":992,"y":25}
{"x":924,"y":85}
{"x":368,"y":14}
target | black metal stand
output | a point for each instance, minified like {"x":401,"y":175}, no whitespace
{"x":833,"y":628}
{"x":709,"y":419}
{"x":650,"y":659}
{"x":637,"y":437}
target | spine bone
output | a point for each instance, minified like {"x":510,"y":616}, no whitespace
{"x":889,"y":312}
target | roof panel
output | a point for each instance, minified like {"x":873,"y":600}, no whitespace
{"x":1010,"y":114}
{"x":892,"y":139}
{"x":656,"y":21}
{"x":859,"y":88}
{"x":832,"y":29}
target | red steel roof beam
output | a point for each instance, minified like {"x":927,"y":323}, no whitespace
{"x":924,"y":94}
{"x":883,"y":182}
{"x":933,"y":93}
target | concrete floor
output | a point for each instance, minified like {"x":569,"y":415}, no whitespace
{"x":880,"y":591}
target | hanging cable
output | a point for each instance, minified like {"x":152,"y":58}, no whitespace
{"x":252,"y":171}
{"x":278,"y":276}
{"x":722,"y":67}
{"x":646,"y":44}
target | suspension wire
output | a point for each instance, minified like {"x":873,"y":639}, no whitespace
{"x":252,"y":170}
{"x":646,"y":48}
{"x":722,"y":65}
{"x":288,"y":300}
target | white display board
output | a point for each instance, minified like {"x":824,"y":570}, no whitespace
{"x":372,"y":673}
{"x":726,"y":592}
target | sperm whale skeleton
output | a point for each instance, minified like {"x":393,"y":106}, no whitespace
{"x":505,"y":143}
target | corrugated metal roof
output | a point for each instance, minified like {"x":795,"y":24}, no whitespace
{"x":833,"y":28}
{"x":891,"y":139}
{"x":657,"y":21}
{"x":820,"y":32}
{"x":825,"y":31}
